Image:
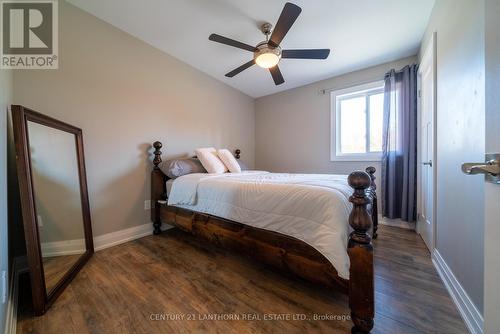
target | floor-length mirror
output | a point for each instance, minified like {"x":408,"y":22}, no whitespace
{"x":54,"y":200}
{"x":56,"y":186}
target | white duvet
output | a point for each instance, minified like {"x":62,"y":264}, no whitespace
{"x":311,"y":207}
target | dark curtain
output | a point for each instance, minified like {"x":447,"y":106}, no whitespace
{"x":399,"y":158}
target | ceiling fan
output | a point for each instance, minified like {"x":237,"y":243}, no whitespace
{"x":268,"y":53}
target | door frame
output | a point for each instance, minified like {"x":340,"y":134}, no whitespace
{"x":430,"y":54}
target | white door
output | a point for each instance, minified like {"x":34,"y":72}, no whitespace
{"x":425,"y":223}
{"x":492,"y":191}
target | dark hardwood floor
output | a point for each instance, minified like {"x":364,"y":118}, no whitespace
{"x":131,"y":287}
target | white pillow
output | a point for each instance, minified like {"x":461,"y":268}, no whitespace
{"x":229,"y":160}
{"x":209,"y":159}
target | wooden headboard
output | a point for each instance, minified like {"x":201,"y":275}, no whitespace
{"x":159,"y":179}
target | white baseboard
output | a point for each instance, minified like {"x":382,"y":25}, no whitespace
{"x":119,"y":237}
{"x":65,"y":247}
{"x":469,"y":312}
{"x":395,"y":223}
{"x":72,"y":247}
{"x":19,"y":266}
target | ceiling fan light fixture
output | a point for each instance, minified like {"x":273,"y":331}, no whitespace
{"x":266,"y":56}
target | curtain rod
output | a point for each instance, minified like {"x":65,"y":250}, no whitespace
{"x":327,"y":90}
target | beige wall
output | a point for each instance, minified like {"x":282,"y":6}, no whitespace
{"x":459,"y":25}
{"x":125,"y":94}
{"x":5,"y":100}
{"x":292,"y":128}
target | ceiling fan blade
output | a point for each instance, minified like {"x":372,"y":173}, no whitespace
{"x":306,"y":54}
{"x":276,"y":74}
{"x":287,"y":17}
{"x":231,"y":42}
{"x":240,"y":69}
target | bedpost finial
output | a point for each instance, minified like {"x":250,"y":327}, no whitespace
{"x":359,"y":219}
{"x":237,"y":153}
{"x":371,"y":170}
{"x":359,"y":180}
{"x":157,"y":159}
{"x":157,"y":145}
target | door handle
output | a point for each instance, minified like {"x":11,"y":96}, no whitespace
{"x":491,"y":168}
{"x":428,"y":163}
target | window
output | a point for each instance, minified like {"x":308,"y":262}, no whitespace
{"x":356,"y":127}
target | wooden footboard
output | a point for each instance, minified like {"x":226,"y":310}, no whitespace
{"x":277,"y":250}
{"x":285,"y":252}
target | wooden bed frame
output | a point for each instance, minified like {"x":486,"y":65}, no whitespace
{"x":284,"y":252}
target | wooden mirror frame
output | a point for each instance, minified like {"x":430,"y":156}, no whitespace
{"x":42,"y":299}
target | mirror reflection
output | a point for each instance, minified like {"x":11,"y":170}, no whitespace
{"x":56,"y":188}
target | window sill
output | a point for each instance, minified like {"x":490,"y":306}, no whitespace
{"x":354,"y":158}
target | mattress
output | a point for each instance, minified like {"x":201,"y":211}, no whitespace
{"x":313,"y":208}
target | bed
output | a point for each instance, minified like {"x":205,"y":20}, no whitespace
{"x":310,"y":225}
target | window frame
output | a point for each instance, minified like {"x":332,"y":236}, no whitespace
{"x":335,"y":131}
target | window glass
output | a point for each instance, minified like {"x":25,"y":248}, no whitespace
{"x":376,"y":121}
{"x":353,"y":125}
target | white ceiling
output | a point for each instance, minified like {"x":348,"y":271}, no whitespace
{"x":360,"y":33}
